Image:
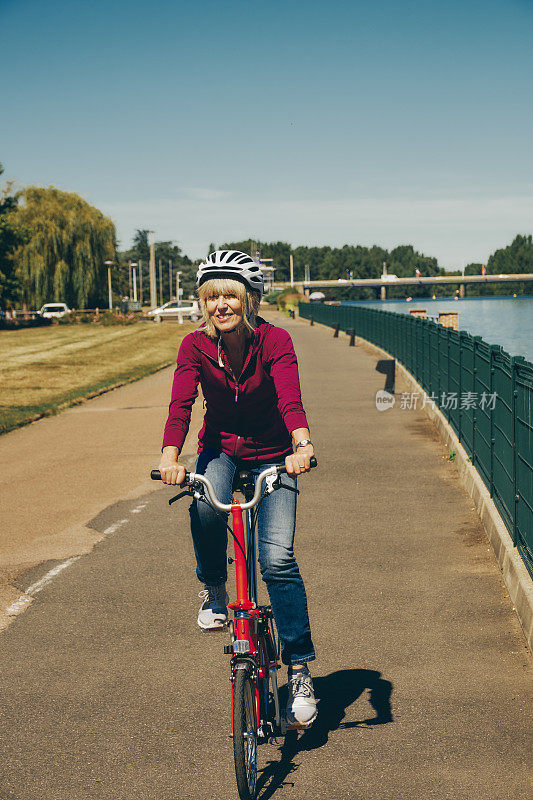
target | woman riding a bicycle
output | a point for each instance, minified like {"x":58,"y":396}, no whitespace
{"x":254,"y":418}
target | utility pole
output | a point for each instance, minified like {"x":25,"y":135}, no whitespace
{"x":169,"y":279}
{"x":291,"y":259}
{"x":178,"y":273}
{"x":109,"y":264}
{"x":153,"y":284}
{"x":141,"y":281}
{"x":160,"y":282}
{"x":307,"y":277}
{"x":129,"y":278}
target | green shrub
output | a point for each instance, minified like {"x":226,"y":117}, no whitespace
{"x":288,"y":299}
{"x":272,"y":297}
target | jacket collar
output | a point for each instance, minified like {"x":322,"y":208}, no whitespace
{"x":212,"y":348}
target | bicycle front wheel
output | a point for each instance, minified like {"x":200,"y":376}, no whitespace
{"x":245,"y":734}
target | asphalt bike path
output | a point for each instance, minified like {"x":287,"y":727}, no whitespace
{"x":60,"y":472}
{"x":109,"y":690}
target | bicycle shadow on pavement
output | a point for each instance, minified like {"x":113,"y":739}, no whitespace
{"x":334,"y":693}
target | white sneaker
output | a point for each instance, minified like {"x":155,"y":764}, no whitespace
{"x":301,"y":703}
{"x":213,"y":612}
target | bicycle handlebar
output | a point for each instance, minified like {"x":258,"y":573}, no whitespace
{"x":193,"y":477}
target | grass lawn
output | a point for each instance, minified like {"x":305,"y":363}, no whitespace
{"x":43,"y":370}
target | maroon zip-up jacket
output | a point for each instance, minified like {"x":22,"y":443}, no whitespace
{"x":250,"y":419}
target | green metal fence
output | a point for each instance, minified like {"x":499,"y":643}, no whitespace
{"x":486,"y":395}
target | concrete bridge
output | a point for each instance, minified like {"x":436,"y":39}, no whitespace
{"x":305,"y":287}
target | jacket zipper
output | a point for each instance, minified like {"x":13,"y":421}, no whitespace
{"x":245,"y":364}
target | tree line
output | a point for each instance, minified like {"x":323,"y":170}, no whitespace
{"x":54,"y":246}
{"x":357,"y":261}
{"x":516,"y":258}
{"x":169,"y":259}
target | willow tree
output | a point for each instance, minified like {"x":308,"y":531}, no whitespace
{"x":65,"y":244}
{"x":9,"y":283}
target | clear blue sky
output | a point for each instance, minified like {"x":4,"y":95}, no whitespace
{"x":311,"y":122}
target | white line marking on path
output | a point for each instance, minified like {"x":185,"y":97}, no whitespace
{"x":139,"y":508}
{"x":18,"y":606}
{"x":115,"y":526}
{"x":38,"y":585}
{"x":25,"y":599}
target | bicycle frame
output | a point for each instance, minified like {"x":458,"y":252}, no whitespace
{"x":254,"y":657}
{"x":253,"y":644}
{"x":253,"y":641}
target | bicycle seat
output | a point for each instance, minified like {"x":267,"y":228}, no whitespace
{"x":243,"y":482}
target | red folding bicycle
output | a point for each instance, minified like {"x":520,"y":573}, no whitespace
{"x":256,"y":715}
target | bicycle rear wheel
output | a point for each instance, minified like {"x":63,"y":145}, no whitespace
{"x":245,"y":734}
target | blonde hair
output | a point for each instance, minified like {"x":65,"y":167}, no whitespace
{"x":249,"y":302}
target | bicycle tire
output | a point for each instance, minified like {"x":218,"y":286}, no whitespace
{"x":245,"y":734}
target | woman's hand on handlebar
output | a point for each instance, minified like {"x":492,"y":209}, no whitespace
{"x":300,"y":461}
{"x":172,"y":473}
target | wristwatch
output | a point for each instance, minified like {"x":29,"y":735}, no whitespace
{"x":303,"y":443}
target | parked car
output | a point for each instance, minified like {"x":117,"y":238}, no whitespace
{"x":187,"y":309}
{"x":51,"y":310}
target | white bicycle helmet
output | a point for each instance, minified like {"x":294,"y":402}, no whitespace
{"x":231,"y":264}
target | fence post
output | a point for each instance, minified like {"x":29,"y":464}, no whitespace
{"x":448,"y":373}
{"x":311,"y":321}
{"x":336,"y":328}
{"x":416,"y":343}
{"x":493,"y":348}
{"x":515,"y":362}
{"x":513,"y":412}
{"x":475,"y":339}
{"x":351,"y":334}
{"x":460,"y":384}
{"x":438,"y":364}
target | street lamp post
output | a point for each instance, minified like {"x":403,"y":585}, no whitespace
{"x":153,"y":284}
{"x":178,"y":273}
{"x":133,"y":266}
{"x":109,"y":264}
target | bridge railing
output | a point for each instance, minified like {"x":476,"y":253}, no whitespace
{"x":485,"y":394}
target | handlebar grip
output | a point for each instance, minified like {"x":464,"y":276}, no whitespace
{"x":156,"y":476}
{"x":283,"y":470}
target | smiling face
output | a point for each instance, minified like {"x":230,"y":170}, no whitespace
{"x":224,"y":310}
{"x":227,"y":305}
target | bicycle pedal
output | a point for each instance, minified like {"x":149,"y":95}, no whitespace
{"x":286,"y":726}
{"x":215,"y":628}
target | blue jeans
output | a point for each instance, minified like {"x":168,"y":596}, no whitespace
{"x":275,"y":535}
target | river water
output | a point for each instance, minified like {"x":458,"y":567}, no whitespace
{"x":507,"y":321}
